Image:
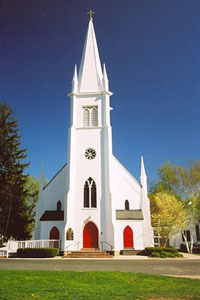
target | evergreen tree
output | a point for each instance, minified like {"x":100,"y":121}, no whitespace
{"x":15,"y":221}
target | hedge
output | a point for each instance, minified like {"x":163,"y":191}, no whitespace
{"x":37,"y":252}
{"x":163,"y":251}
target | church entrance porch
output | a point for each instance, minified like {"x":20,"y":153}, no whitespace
{"x":90,"y":236}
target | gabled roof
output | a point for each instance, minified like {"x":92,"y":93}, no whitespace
{"x":135,"y":214}
{"x":54,"y":177}
{"x":53,"y":215}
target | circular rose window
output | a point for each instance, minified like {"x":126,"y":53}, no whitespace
{"x":90,"y":153}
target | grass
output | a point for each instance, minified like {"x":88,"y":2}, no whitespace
{"x":26,"y":285}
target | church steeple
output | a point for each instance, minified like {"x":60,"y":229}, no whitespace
{"x":90,"y":73}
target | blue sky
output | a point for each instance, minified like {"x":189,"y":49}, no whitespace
{"x":152,"y":53}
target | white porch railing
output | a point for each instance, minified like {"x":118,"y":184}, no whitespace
{"x":12,"y":246}
{"x":102,"y":245}
{"x":72,"y":247}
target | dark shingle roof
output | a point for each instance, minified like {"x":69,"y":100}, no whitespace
{"x":53,"y":215}
{"x":135,"y":214}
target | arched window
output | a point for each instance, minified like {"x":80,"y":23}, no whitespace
{"x":90,"y":116}
{"x":126,"y":205}
{"x":86,"y":194}
{"x":90,"y":193}
{"x":94,"y":117}
{"x":59,"y":205}
{"x":197,"y":232}
{"x":86,"y":117}
{"x":70,"y":234}
{"x":93,"y":195}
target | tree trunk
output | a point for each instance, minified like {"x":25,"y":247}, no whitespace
{"x":192,"y":238}
{"x":186,"y":242}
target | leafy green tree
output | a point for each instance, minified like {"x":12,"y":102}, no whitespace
{"x":167,"y":214}
{"x":167,"y":181}
{"x":184,"y":184}
{"x":189,"y":183}
{"x":32,"y":187}
{"x":14,"y":215}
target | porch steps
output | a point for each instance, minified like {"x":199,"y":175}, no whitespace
{"x":87,"y":253}
{"x":129,"y":252}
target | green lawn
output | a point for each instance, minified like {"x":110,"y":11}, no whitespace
{"x":25,"y":285}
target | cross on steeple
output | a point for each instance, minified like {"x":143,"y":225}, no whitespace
{"x":91,"y":13}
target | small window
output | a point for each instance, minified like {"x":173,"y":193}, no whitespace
{"x":70,"y":235}
{"x":59,"y":205}
{"x":90,"y":194}
{"x":126,"y":205}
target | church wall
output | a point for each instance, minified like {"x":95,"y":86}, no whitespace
{"x":47,"y":226}
{"x":125,"y":187}
{"x":54,"y":191}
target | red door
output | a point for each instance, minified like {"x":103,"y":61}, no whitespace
{"x":90,"y":236}
{"x":128,"y":237}
{"x":54,"y":234}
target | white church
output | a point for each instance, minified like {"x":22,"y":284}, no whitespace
{"x":93,"y":201}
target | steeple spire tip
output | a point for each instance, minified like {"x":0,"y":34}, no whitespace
{"x":91,"y":12}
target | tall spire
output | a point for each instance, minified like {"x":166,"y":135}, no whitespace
{"x":90,"y":72}
{"x":143,"y":177}
{"x":75,"y":80}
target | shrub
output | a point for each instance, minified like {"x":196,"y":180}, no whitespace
{"x":37,"y":252}
{"x":172,"y":255}
{"x":149,"y":250}
{"x":155,"y":254}
{"x":180,"y":255}
{"x":164,"y":254}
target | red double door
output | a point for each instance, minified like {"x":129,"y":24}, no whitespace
{"x":128,"y":237}
{"x":90,"y":236}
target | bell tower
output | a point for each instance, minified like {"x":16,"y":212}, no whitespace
{"x":88,"y":201}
